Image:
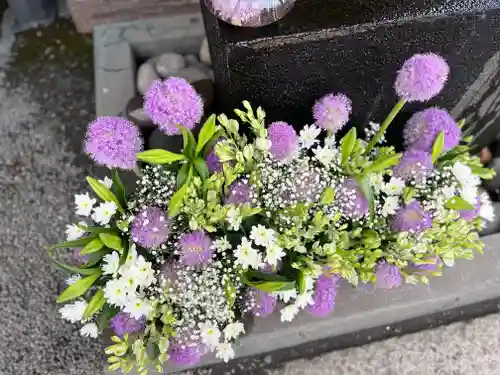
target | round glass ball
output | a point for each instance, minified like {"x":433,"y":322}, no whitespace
{"x":250,"y":13}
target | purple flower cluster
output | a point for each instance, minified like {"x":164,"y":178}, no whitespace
{"x":173,"y":102}
{"x":240,"y":192}
{"x":113,"y":142}
{"x":185,"y":354}
{"x":151,"y":227}
{"x":123,"y":323}
{"x":196,"y":249}
{"x":324,"y":295}
{"x":332,"y":112}
{"x":263,"y":303}
{"x":351,"y":201}
{"x":423,"y":127}
{"x":411,"y":218}
{"x":284,"y":141}
{"x":213,"y":162}
{"x":388,"y":276}
{"x":414,"y":165}
{"x":422,"y":77}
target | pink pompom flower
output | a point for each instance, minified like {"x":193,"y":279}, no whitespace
{"x":332,"y":112}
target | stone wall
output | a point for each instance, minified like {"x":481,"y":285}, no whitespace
{"x":87,"y":13}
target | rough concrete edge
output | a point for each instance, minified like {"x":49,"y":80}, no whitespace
{"x":469,"y":283}
{"x":116,"y":46}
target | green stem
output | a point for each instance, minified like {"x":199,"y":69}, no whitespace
{"x":388,"y":120}
{"x":137,"y":171}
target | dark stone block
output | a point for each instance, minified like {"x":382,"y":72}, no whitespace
{"x":356,"y":47}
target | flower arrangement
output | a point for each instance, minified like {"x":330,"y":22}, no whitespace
{"x":252,"y":221}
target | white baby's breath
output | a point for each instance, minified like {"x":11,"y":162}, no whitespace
{"x":234,"y":218}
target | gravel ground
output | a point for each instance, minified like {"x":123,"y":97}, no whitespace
{"x":45,"y":103}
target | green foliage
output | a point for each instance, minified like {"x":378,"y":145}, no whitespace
{"x":206,"y":133}
{"x":78,"y":288}
{"x":437,"y":146}
{"x":267,"y":282}
{"x":176,"y":201}
{"x":95,"y":304}
{"x":159,"y":157}
{"x":113,"y":241}
{"x":118,"y":187}
{"x":93,"y":246}
{"x":458,"y":203}
{"x":347,"y":145}
{"x":103,"y":192}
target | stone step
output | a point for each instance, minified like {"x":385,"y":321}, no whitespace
{"x":469,"y":289}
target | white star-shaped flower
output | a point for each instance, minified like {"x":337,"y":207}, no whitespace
{"x":262,"y":236}
{"x":394,"y":187}
{"x":233,"y":330}
{"x":138,"y":307}
{"x":108,"y":182}
{"x":84,"y":204}
{"x":308,"y":135}
{"x":73,"y":311}
{"x":486,"y":210}
{"x":325,"y":155}
{"x":73,"y":232}
{"x":103,"y":213}
{"x":90,"y":330}
{"x":225,"y":352}
{"x":390,"y":206}
{"x":116,"y":292}
{"x":111,"y":263}
{"x":469,"y":193}
{"x":222,"y":244}
{"x":210,"y":334}
{"x":287,"y":295}
{"x":288,"y":313}
{"x":234,"y":218}
{"x":247,"y":256}
{"x":464,"y":175}
{"x":273,"y":254}
{"x":305,"y":299}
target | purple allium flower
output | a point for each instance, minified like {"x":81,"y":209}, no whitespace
{"x":351,"y":200}
{"x":123,"y":323}
{"x":151,"y":227}
{"x":422,"y":77}
{"x":113,"y":142}
{"x":423,"y":127}
{"x":284,"y":141}
{"x":263,"y":303}
{"x":77,"y":259}
{"x":184,"y":354}
{"x":324,"y":295}
{"x":433,"y":262}
{"x":411,"y":218}
{"x":173,"y":102}
{"x":240,"y":192}
{"x":471,"y":214}
{"x":332,"y":112}
{"x":415,"y":164}
{"x":388,"y":276}
{"x":196,"y":249}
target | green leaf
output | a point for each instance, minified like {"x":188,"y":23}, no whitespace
{"x":382,"y":163}
{"x":437,"y":147}
{"x":72,"y":244}
{"x":189,"y":143}
{"x":327,"y":196}
{"x":247,"y":210}
{"x":113,"y":241}
{"x":367,"y":191}
{"x":301,"y":281}
{"x":206,"y":133}
{"x":96,"y":229}
{"x":230,"y":292}
{"x":269,"y":286}
{"x":347,"y":146}
{"x":485,"y":173}
{"x":103,"y":192}
{"x":408,"y":194}
{"x":159,"y":156}
{"x":71,"y":269}
{"x":95,"y":304}
{"x":182,"y":175}
{"x":107,"y":313}
{"x":78,"y":288}
{"x":92,"y":247}
{"x":96,"y":257}
{"x":201,"y":168}
{"x":118,"y":187}
{"x":461,"y":123}
{"x":211,"y":142}
{"x":458,"y":203}
{"x":175,"y":204}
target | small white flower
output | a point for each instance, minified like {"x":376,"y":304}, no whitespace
{"x":234,"y":218}
{"x":377,"y":181}
{"x":210,"y":334}
{"x":448,"y":192}
{"x":233,"y":330}
{"x":145,"y":273}
{"x":115,"y":292}
{"x":90,"y":330}
{"x":74,"y":311}
{"x":390,"y":206}
{"x":469,"y":193}
{"x":73,"y":279}
{"x":308,"y":136}
{"x":111,"y":263}
{"x":325,"y":155}
{"x":221,"y":244}
{"x":108,"y":182}
{"x":330,"y":142}
{"x":247,"y":256}
{"x":287,"y":295}
{"x":104,"y":212}
{"x":305,"y":299}
{"x":84,"y":204}
{"x":464,"y":175}
{"x":225,"y":352}
{"x":486,"y":210}
{"x":288,"y":313}
{"x":263,"y":144}
{"x":394,"y":187}
{"x":138,"y":307}
{"x":73,"y":232}
{"x":262,"y":236}
{"x":273,"y":254}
